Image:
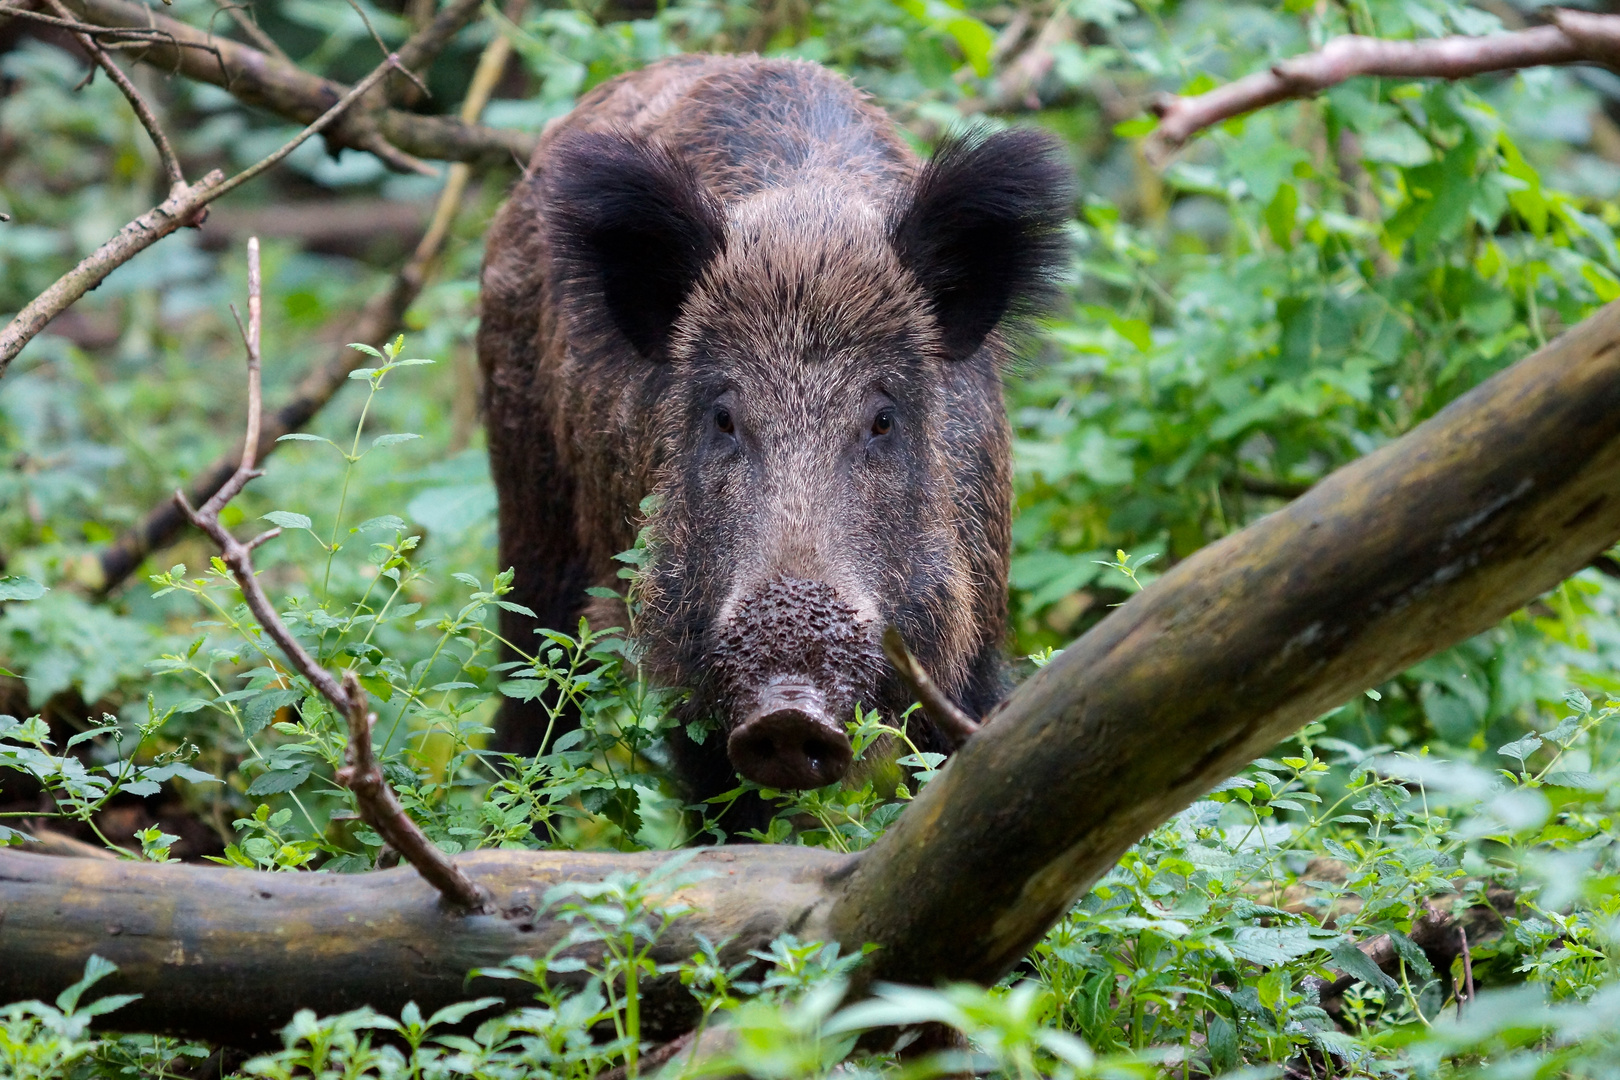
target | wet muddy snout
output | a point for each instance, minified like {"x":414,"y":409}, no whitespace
{"x":789,"y":739}
{"x":791,"y":663}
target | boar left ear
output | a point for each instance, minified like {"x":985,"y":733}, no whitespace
{"x":982,"y":232}
{"x":631,"y":228}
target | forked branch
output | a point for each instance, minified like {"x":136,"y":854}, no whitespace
{"x":373,"y":797}
{"x":1571,"y":37}
{"x":178,"y":210}
{"x":257,"y":78}
{"x":143,"y":110}
{"x":379,"y":320}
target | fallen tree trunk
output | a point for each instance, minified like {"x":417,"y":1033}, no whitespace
{"x":1416,"y":547}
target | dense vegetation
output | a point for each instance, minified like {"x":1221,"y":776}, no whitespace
{"x":1295,"y":289}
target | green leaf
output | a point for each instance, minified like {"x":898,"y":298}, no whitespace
{"x":1272,"y":945}
{"x":95,"y":969}
{"x":1355,"y":963}
{"x":1282,"y":213}
{"x":1521,"y":748}
{"x":279,"y":781}
{"x":287,"y":519}
{"x":1135,"y":331}
{"x":18,"y":587}
{"x":392,"y":440}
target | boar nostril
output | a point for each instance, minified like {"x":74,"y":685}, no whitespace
{"x":789,"y":741}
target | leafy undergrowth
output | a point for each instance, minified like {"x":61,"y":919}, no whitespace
{"x":1225,"y":940}
{"x":1296,"y":289}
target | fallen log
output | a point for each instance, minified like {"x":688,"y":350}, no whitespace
{"x":1422,"y":544}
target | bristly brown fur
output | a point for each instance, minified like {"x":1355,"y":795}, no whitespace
{"x":726,"y":280}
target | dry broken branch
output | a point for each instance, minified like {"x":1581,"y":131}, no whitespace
{"x":956,"y":725}
{"x":1571,"y":37}
{"x":373,"y":797}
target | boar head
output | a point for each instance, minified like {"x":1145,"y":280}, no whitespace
{"x":824,"y":355}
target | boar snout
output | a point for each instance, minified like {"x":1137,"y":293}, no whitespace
{"x":791,"y":663}
{"x":789,"y":741}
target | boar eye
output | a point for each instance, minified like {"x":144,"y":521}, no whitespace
{"x":883,"y":422}
{"x":722,"y":422}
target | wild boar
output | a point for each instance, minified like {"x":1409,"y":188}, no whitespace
{"x":729,"y":283}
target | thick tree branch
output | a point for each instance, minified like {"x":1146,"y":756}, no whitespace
{"x":1422,"y":544}
{"x":1572,"y":37}
{"x":374,"y":798}
{"x":287,"y":90}
{"x":1428,"y":541}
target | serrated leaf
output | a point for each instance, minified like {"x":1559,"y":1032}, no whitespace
{"x":602,"y":592}
{"x":367,"y":349}
{"x":300,"y":436}
{"x":1355,"y":963}
{"x":1521,"y":748}
{"x":262,"y":709}
{"x":392,"y":440}
{"x":382,"y":523}
{"x":279,"y":781}
{"x":1272,"y":945}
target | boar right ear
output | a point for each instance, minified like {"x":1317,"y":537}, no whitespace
{"x":983,"y":231}
{"x":631,"y":229}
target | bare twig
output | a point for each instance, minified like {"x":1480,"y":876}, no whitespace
{"x":143,"y":111}
{"x":1572,"y":37}
{"x":179,"y":209}
{"x":373,"y":797}
{"x":379,"y":809}
{"x":379,"y":321}
{"x":252,"y":29}
{"x":259,"y":79}
{"x":1018,"y":85}
{"x":1468,"y":969}
{"x":955,"y":724}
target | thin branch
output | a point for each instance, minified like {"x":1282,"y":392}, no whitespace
{"x":1017,"y":86}
{"x":379,"y":321}
{"x":955,"y":724}
{"x":257,"y":78}
{"x":179,"y":209}
{"x":143,"y":110}
{"x":373,"y":797}
{"x":381,"y":810}
{"x":1572,"y":37}
{"x":250,"y":27}
{"x":112,"y":37}
{"x":1468,"y":970}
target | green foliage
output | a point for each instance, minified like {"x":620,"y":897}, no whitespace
{"x":1299,"y":287}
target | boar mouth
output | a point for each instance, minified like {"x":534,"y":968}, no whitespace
{"x":789,"y":667}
